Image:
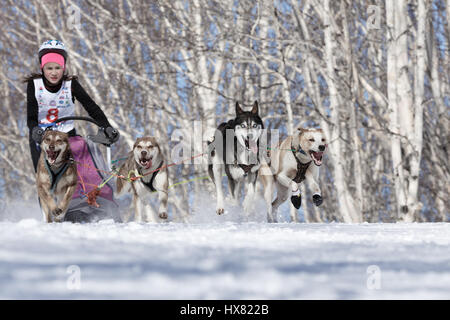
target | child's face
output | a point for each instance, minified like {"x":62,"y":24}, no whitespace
{"x":53,"y":72}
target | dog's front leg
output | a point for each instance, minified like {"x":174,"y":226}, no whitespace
{"x":284,"y":180}
{"x":47,"y":202}
{"x":282,"y":195}
{"x":138,"y":209}
{"x":46,"y":212}
{"x":149,"y":213}
{"x":312,"y":176}
{"x":236,"y":192}
{"x":162,"y":197}
{"x":217,"y":170}
{"x":292,"y":187}
{"x":64,"y":204}
{"x":268,"y":180}
{"x":250,"y":196}
{"x":162,"y":185}
{"x":284,"y":186}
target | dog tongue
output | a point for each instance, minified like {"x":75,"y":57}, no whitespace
{"x":318,"y":156}
{"x":146,"y":163}
{"x":253,"y":147}
{"x":51,"y":155}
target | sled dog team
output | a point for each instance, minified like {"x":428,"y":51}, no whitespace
{"x":235,"y":150}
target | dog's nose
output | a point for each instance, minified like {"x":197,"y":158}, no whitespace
{"x":51,"y":147}
{"x":143,"y":153}
{"x":321,"y":147}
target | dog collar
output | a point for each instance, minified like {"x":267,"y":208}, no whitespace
{"x":300,"y":150}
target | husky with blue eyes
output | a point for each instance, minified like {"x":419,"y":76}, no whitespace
{"x":236,"y":150}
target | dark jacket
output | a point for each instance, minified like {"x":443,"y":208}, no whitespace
{"x":78,"y":93}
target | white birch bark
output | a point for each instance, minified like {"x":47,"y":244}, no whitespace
{"x":396,"y":153}
{"x":347,"y":207}
{"x":415,"y":159}
{"x":404,"y":102}
{"x":353,"y":80}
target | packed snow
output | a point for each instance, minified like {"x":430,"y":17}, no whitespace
{"x":225,"y":257}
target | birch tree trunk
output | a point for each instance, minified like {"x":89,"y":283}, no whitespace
{"x":354,"y":92}
{"x":413,"y":201}
{"x":394,"y":127}
{"x":406,"y":116}
{"x":347,"y":207}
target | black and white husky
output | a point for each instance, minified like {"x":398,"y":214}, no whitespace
{"x":236,"y":149}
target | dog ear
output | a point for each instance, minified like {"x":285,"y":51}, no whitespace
{"x":64,"y":136}
{"x":301,"y":130}
{"x":46,"y":133}
{"x":155,"y":143}
{"x":136,"y":142}
{"x":238,"y":109}
{"x":255,"y":108}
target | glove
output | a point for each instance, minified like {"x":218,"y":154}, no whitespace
{"x":37,"y":133}
{"x":317,"y":199}
{"x":112,"y":134}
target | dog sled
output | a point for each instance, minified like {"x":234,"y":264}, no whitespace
{"x":93,"y":198}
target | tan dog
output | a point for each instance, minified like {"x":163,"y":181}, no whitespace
{"x":144,"y":160}
{"x":298,"y":158}
{"x":56,"y":177}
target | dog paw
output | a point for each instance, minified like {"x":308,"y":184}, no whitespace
{"x":297,"y":201}
{"x":59,"y":218}
{"x":163,"y":215}
{"x":317,"y":199}
{"x":56,"y":212}
{"x":220,"y":211}
{"x":270,"y":219}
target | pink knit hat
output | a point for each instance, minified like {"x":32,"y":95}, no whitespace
{"x":52,"y":57}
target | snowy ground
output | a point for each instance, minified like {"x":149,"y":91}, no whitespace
{"x":213,"y":259}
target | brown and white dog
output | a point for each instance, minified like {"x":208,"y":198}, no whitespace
{"x":297,"y":158}
{"x":145,"y":160}
{"x":56,"y":177}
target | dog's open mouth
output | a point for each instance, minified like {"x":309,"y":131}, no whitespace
{"x":251,"y":145}
{"x":52,"y":155}
{"x":146,"y":163}
{"x":317,"y":157}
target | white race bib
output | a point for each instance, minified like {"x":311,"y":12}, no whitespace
{"x":53,"y":106}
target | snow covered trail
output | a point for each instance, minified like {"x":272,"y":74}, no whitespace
{"x":229,"y":260}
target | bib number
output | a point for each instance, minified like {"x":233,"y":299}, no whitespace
{"x":52,"y":114}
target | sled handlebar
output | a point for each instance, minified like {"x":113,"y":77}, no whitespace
{"x":106,"y":136}
{"x":76,"y":118}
